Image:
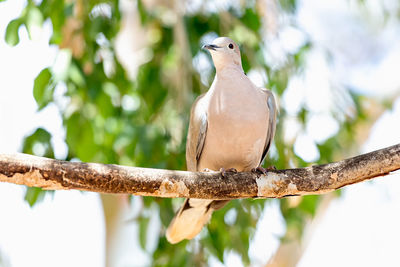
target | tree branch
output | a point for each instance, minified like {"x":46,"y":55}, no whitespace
{"x":319,"y":179}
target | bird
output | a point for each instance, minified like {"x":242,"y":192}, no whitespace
{"x":231,"y":129}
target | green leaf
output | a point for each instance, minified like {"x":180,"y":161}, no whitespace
{"x":34,"y":195}
{"x":76,"y":75}
{"x":144,"y":17}
{"x":289,"y":5}
{"x":11,"y":36}
{"x":80,"y":137}
{"x":143,"y":225}
{"x":251,"y":19}
{"x":34,"y":20}
{"x":43,"y":88}
{"x":309,"y":204}
{"x":39,"y":143}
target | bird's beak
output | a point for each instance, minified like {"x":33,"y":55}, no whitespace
{"x":211,"y":47}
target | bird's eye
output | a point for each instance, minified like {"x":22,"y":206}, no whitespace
{"x":230,"y":46}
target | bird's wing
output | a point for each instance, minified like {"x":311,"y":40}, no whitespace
{"x":197,"y":133}
{"x":194,"y":213}
{"x":270,"y":101}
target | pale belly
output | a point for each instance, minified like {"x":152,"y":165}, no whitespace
{"x":234,"y":143}
{"x":237,"y":115}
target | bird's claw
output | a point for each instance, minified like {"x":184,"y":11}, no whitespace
{"x":223,"y":171}
{"x":261,"y":170}
{"x":271,"y":168}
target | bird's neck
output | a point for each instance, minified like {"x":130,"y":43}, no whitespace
{"x":233,"y":70}
{"x":230,"y":80}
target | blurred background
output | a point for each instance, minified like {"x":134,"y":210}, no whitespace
{"x":113,"y":82}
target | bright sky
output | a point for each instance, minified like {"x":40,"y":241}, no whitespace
{"x":359,"y":229}
{"x":66,"y":230}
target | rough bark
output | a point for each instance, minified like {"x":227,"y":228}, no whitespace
{"x":318,"y":179}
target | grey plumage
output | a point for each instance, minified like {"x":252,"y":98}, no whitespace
{"x":231,"y":126}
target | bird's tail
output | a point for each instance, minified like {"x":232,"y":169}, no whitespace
{"x":191,"y":218}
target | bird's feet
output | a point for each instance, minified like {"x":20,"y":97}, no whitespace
{"x":261,"y":170}
{"x":271,"y":168}
{"x":207,"y":170}
{"x":223,"y":171}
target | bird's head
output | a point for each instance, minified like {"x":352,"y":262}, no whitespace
{"x":224,"y":52}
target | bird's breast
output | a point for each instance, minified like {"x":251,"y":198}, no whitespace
{"x":237,"y":130}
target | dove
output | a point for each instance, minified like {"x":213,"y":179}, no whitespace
{"x":231,"y":129}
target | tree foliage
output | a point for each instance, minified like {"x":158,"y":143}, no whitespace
{"x":141,"y":120}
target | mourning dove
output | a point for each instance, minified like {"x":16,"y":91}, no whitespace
{"x":231,"y":128}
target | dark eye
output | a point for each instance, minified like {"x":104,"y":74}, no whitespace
{"x":230,"y":46}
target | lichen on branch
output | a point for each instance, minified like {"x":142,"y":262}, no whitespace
{"x":107,"y":178}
